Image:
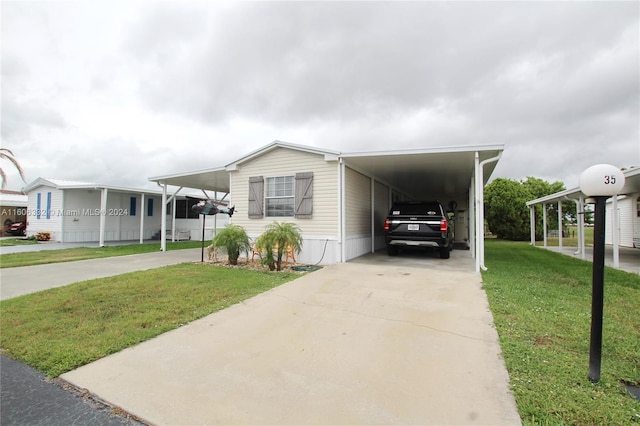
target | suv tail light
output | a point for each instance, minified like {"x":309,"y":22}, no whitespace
{"x":444,"y":225}
{"x":386,"y":224}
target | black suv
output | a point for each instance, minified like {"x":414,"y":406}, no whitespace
{"x":418,"y":224}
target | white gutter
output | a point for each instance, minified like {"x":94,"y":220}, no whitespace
{"x":480,"y":208}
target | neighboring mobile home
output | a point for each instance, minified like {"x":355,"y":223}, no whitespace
{"x":13,"y":208}
{"x":87,"y":212}
{"x":340,"y":200}
{"x":621,"y":229}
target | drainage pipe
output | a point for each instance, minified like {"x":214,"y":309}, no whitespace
{"x":480,"y":209}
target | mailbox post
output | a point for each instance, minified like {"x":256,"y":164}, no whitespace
{"x":599,"y":182}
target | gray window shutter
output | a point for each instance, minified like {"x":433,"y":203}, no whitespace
{"x":304,"y":195}
{"x":256,"y":197}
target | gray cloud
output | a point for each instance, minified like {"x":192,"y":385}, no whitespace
{"x":556,"y":82}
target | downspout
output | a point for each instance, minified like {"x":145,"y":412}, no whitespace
{"x":580,"y":219}
{"x":480,"y":213}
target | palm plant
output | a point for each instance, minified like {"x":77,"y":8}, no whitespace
{"x":8,"y":154}
{"x":235,"y":240}
{"x":275,"y":240}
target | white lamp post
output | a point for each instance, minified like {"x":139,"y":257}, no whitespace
{"x":599,"y":182}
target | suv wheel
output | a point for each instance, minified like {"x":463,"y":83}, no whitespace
{"x":392,"y":250}
{"x":445,"y":252}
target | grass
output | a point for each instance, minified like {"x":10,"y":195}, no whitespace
{"x":61,"y":329}
{"x":12,"y":260}
{"x":572,"y":239}
{"x":18,"y":241}
{"x":541,"y":304}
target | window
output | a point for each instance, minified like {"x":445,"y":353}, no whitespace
{"x":48,"y":205}
{"x":638,"y":207}
{"x":279,"y":196}
{"x":184,"y":211}
{"x":132,"y":206}
{"x":150,"y":207}
{"x":38,"y":204}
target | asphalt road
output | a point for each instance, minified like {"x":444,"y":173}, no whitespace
{"x":27,"y":397}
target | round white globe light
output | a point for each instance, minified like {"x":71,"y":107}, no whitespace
{"x":601,"y":180}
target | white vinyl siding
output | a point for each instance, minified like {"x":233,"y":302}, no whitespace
{"x":82,"y":222}
{"x":47,"y":216}
{"x":289,"y":162}
{"x":358,"y":205}
{"x":625,"y":216}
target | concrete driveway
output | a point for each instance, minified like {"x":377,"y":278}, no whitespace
{"x":366,"y":342}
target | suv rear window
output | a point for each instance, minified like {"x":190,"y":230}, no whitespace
{"x":418,"y":209}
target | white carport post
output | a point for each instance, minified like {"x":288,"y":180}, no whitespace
{"x":141,"y":218}
{"x":342,"y":212}
{"x":560,"y":224}
{"x":173,"y":219}
{"x":532,"y":224}
{"x":103,"y":214}
{"x":373,"y":216}
{"x":472,"y":219}
{"x":615,"y":231}
{"x":544,"y":223}
{"x":163,"y":220}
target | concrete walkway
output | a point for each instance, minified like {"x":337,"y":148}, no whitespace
{"x":629,"y":258}
{"x":29,"y":279}
{"x":355,"y":343}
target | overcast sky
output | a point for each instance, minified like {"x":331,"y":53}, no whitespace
{"x":114,"y":92}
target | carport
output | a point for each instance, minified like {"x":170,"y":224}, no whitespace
{"x":447,"y":173}
{"x":575,"y":195}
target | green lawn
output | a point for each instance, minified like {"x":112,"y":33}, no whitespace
{"x":81,"y":253}
{"x":541,"y":303}
{"x":63,"y":328}
{"x":18,"y":241}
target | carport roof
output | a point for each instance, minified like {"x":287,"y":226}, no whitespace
{"x":445,"y":170}
{"x":631,"y":186}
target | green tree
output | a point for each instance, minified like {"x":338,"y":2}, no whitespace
{"x":8,"y":154}
{"x":506,"y":210}
{"x":275,"y":240}
{"x":235,"y":240}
